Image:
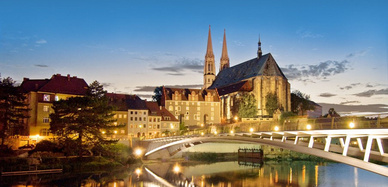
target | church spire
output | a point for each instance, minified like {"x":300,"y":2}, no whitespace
{"x":209,"y":66}
{"x":259,"y":52}
{"x":224,"y":61}
{"x":209,"y":51}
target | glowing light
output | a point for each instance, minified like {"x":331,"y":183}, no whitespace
{"x":215,"y":132}
{"x":103,"y":132}
{"x":138,"y":171}
{"x":251,"y":130}
{"x":235,"y":118}
{"x":351,"y":125}
{"x":202,"y":133}
{"x":177,"y":168}
{"x":308,"y":127}
{"x":202,"y":125}
{"x":231,"y":132}
{"x":276,"y":128}
{"x":115,"y":132}
{"x":138,"y":152}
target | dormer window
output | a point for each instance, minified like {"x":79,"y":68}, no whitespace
{"x":46,"y":97}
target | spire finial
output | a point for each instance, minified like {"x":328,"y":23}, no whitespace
{"x":259,"y":52}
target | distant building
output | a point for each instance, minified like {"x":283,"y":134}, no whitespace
{"x":41,"y":93}
{"x":193,"y":107}
{"x":139,"y":118}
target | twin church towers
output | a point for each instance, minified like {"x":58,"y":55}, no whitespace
{"x":209,"y":67}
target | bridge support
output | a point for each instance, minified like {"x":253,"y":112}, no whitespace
{"x":327,"y":143}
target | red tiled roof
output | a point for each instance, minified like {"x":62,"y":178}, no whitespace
{"x":156,"y":110}
{"x":125,"y":102}
{"x":57,"y":84}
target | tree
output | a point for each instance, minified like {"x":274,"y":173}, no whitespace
{"x":81,"y":119}
{"x":246,"y":105}
{"x":13,"y":109}
{"x":158,"y":92}
{"x":300,"y":102}
{"x":271,"y":103}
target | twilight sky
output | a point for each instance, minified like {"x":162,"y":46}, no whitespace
{"x":335,"y":51}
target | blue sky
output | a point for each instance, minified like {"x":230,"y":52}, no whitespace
{"x":335,"y":51}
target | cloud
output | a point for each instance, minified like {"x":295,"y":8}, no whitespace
{"x":41,"y":41}
{"x":307,"y":34}
{"x":327,"y":95}
{"x":181,"y":65}
{"x":152,"y":88}
{"x":322,"y":70}
{"x":370,"y":93}
{"x":357,"y":54}
{"x":349,"y":102}
{"x":41,"y":65}
{"x":348,"y":87}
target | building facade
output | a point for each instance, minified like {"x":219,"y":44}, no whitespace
{"x":41,"y":93}
{"x":192,"y":107}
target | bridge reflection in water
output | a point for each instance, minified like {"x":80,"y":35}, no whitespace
{"x":298,"y":173}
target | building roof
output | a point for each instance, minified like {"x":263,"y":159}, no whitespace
{"x":125,"y":102}
{"x":246,"y":70}
{"x":56,"y":84}
{"x":168,"y":93}
{"x":156,"y":110}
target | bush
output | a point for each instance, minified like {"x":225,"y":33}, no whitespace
{"x":46,"y":145}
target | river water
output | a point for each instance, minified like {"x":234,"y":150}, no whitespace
{"x":222,"y":174}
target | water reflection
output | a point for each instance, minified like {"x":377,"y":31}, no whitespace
{"x":223,"y":174}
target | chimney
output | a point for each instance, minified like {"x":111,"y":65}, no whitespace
{"x":68,"y":77}
{"x":25,"y":79}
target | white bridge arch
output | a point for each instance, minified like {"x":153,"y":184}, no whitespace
{"x":299,"y":141}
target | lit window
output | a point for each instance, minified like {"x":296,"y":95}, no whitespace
{"x":46,"y":120}
{"x":45,"y":108}
{"x":56,"y":98}
{"x":187,"y":108}
{"x":44,"y":132}
{"x":122,"y":131}
{"x":120,"y":116}
{"x":170,"y":108}
{"x":125,"y":115}
{"x":114,"y":123}
{"x":46,"y":97}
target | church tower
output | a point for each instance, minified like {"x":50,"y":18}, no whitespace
{"x":224,"y":61}
{"x":209,"y":68}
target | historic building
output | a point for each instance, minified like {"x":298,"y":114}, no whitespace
{"x":193,"y":107}
{"x":41,"y":93}
{"x":138,"y":118}
{"x":258,"y":76}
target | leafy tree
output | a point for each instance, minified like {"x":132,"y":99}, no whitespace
{"x":332,"y":113}
{"x":300,"y":102}
{"x":81,"y":119}
{"x":247,"y":107}
{"x":158,"y":92}
{"x":271,"y":103}
{"x":13,"y":109}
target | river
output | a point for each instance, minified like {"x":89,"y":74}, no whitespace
{"x":222,"y":174}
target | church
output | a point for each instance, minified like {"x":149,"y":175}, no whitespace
{"x":258,"y":76}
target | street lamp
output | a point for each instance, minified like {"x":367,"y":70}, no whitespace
{"x":177,"y":168}
{"x":231,"y":132}
{"x":251,"y":130}
{"x":308,"y":127}
{"x":138,"y":152}
{"x":235,"y":118}
{"x":276,"y":128}
{"x":351,"y":125}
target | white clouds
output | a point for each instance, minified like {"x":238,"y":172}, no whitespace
{"x":41,"y":41}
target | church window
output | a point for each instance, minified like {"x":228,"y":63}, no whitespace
{"x":170,"y":108}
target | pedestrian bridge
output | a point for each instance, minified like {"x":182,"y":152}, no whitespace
{"x":348,"y":146}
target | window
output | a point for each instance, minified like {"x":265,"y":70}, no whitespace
{"x":154,"y":126}
{"x":158,"y":119}
{"x":187,"y":108}
{"x":120,"y":116}
{"x":131,"y":126}
{"x":144,"y":119}
{"x":212,"y":109}
{"x":46,"y":97}
{"x":45,"y":108}
{"x":114,"y":123}
{"x":135,"y":118}
{"x":158,"y":126}
{"x":122,"y":131}
{"x":145,"y":125}
{"x":135,"y":112}
{"x":125,"y":116}
{"x":44,"y":132}
{"x":178,"y":108}
{"x":150,"y":120}
{"x":145,"y":113}
{"x":46,"y":120}
{"x":56,"y":98}
{"x":115,"y":116}
{"x":150,"y":126}
{"x":170,"y":108}
{"x":131,"y":118}
{"x":131,"y":112}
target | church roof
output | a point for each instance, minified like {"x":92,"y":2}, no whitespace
{"x":246,"y":70}
{"x":239,"y":86}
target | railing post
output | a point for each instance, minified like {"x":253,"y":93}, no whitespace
{"x":380,"y":145}
{"x":327,"y":143}
{"x":346,"y":146}
{"x":359,"y":142}
{"x":368,"y":148}
{"x":311,"y":142}
{"x":296,"y":140}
